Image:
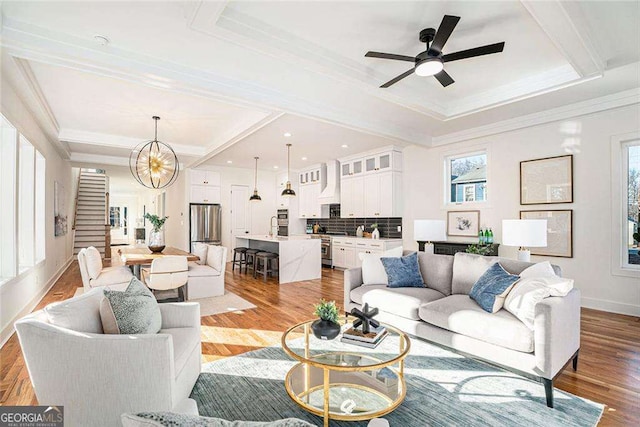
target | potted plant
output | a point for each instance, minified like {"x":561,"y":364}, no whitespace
{"x":327,"y":326}
{"x":156,"y":237}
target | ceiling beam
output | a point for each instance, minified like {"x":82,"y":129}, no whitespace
{"x":566,"y":26}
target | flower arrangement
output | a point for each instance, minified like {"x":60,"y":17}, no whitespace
{"x":156,"y":221}
{"x":327,"y":310}
{"x":479,"y":249}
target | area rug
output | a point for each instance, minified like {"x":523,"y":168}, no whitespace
{"x":227,"y":303}
{"x":443,"y":389}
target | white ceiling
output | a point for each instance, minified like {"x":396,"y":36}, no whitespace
{"x":227,"y":77}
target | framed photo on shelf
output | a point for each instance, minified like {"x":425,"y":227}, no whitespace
{"x":559,"y":232}
{"x":546,"y":181}
{"x":463,"y":223}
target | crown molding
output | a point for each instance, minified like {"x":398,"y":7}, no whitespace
{"x":616,"y":100}
{"x":84,"y":158}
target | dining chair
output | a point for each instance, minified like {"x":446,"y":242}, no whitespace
{"x":166,"y":273}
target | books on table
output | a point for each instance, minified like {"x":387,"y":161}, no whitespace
{"x":369,"y":340}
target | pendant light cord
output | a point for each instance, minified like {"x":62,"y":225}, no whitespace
{"x":289,"y":162}
{"x":255,"y":184}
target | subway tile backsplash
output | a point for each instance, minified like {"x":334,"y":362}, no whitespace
{"x":388,"y":226}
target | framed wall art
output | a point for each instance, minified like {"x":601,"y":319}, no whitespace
{"x":59,"y":209}
{"x":463,"y":223}
{"x":546,"y":181}
{"x":559,"y":232}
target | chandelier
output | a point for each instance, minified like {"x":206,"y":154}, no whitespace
{"x":154,"y":164}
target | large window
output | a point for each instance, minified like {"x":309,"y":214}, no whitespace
{"x":22,"y":197}
{"x":631,"y":216}
{"x":467,"y":178}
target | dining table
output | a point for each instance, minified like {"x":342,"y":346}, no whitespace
{"x":136,"y":256}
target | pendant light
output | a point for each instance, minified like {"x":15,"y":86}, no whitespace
{"x":255,"y":197}
{"x":154,"y":164}
{"x":288,"y":191}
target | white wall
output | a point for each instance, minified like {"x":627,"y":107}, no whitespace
{"x":592,"y":211}
{"x":177,"y":226}
{"x":19,"y":295}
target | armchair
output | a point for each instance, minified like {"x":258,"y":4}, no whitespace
{"x":98,"y":377}
{"x":94,"y":275}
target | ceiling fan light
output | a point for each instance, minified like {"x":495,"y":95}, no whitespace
{"x":429,"y":67}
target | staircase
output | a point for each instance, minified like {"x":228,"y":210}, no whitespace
{"x":91,"y":208}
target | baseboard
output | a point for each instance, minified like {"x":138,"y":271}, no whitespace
{"x":9,"y":330}
{"x":611,"y":306}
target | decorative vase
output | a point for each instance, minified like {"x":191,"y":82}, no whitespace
{"x":156,"y":241}
{"x":325,"y":329}
{"x":376,"y":234}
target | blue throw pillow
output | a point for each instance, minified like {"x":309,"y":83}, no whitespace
{"x":403,"y":272}
{"x":492,"y":288}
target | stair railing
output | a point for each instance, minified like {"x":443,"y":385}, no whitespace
{"x":75,"y":213}
{"x":107,"y":221}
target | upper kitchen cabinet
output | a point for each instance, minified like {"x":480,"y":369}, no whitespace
{"x":204,"y":186}
{"x":371,"y":184}
{"x":312,"y":181}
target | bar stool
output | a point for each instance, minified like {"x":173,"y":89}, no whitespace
{"x":269,"y":264}
{"x":250,"y":259}
{"x":242,"y":258}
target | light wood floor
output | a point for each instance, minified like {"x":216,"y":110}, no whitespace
{"x":608,"y":372}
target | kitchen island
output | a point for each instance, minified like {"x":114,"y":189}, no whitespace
{"x":299,"y":256}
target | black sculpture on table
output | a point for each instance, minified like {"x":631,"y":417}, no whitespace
{"x":365,"y":318}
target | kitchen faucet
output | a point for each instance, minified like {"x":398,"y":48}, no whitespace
{"x":271,"y":225}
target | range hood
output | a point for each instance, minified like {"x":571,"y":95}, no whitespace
{"x":331,"y":194}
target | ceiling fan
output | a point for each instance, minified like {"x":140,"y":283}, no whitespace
{"x":431,"y":61}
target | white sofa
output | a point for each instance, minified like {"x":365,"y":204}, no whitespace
{"x":207,"y":279}
{"x":97,"y":377}
{"x":443,"y":313}
{"x":94,"y":275}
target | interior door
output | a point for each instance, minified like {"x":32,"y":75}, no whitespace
{"x":240,"y":214}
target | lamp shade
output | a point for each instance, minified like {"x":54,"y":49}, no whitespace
{"x":429,"y":230}
{"x":524,"y":232}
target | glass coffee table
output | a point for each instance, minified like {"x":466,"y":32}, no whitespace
{"x":341,"y":381}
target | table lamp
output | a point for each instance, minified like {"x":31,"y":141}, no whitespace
{"x":426,"y":231}
{"x":524,"y":233}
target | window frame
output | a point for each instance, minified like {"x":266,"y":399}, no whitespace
{"x":446,"y":164}
{"x":619,"y":191}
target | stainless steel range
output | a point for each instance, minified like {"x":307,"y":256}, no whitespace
{"x":325,"y":247}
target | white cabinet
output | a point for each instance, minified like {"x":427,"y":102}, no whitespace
{"x":312,"y":181}
{"x":371,"y":184}
{"x":346,"y":250}
{"x":383,"y":195}
{"x":205,"y":186}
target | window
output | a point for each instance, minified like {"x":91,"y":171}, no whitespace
{"x":22,"y":197}
{"x":631,"y":213}
{"x":467,"y":178}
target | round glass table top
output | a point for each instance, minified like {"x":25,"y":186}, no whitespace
{"x":301,"y":344}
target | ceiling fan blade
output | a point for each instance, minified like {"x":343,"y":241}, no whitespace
{"x":390,"y":56}
{"x":445,"y":29}
{"x":397,"y":79}
{"x":444,"y":78}
{"x":476,"y":51}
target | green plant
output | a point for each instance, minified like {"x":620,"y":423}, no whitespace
{"x":156,"y":221}
{"x":374,"y":225}
{"x":636,"y":237}
{"x":326,"y":310}
{"x":478,"y":249}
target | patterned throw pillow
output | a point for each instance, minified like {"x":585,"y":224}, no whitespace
{"x":132,"y":311}
{"x":492,"y":288}
{"x":403,"y":272}
{"x":170,"y":419}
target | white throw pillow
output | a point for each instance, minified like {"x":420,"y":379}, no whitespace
{"x":541,"y":269}
{"x":200,"y":250}
{"x":373,"y":272}
{"x":94,"y":262}
{"x":529,"y":291}
{"x":214,"y":257}
{"x":80,"y":314}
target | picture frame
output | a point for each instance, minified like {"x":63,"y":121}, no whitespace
{"x":463,"y":223}
{"x":559,"y":231}
{"x":59,"y":209}
{"x":547,"y":180}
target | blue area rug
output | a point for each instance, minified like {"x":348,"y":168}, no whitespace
{"x":443,"y":389}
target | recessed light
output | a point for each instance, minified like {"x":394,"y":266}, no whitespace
{"x":101,"y":40}
{"x":304,"y":158}
{"x":287,"y":134}
{"x":275,"y":167}
{"x":229,"y":161}
{"x":345,"y":146}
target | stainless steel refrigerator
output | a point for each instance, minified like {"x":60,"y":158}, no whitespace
{"x":204,"y":224}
